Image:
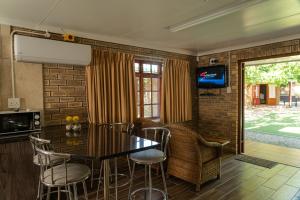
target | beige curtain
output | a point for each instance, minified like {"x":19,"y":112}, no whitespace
{"x":111,"y":87}
{"x":176,"y":100}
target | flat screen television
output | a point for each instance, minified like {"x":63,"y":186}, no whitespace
{"x":212,"y":76}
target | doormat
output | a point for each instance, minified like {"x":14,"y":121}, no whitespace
{"x":256,"y":161}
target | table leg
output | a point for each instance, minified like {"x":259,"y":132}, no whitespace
{"x":106,"y":179}
{"x":116,"y":178}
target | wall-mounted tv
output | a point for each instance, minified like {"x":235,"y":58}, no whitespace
{"x":212,"y":76}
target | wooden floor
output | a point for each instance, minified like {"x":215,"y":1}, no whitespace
{"x":280,"y":154}
{"x":18,"y":180}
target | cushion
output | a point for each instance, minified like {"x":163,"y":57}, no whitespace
{"x":76,"y":173}
{"x":208,"y":153}
{"x":149,"y":156}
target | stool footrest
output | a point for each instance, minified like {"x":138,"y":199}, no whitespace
{"x":146,"y":191}
{"x":119,"y":175}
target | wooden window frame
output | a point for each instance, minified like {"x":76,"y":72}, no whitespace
{"x":140,"y":75}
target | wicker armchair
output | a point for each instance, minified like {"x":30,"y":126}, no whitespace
{"x":192,"y":157}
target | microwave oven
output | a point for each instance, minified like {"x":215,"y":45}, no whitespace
{"x":14,"y":123}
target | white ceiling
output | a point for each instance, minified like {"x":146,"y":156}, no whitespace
{"x":145,"y":22}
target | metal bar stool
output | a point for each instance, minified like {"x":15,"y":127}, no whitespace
{"x":62,"y":175}
{"x":37,"y":142}
{"x":117,"y":128}
{"x":150,"y":157}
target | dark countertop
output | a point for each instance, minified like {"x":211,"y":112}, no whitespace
{"x":95,"y":142}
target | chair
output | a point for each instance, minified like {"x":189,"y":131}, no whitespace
{"x":194,"y":157}
{"x":150,"y":157}
{"x":46,"y":145}
{"x":119,"y":128}
{"x":62,"y":175}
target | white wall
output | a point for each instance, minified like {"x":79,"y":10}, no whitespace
{"x":29,"y":77}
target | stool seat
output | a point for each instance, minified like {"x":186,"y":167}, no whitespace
{"x":149,"y":156}
{"x":75,"y":173}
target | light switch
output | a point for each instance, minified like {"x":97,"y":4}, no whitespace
{"x":228,"y":89}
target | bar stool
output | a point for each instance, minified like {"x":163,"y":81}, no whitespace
{"x":119,"y":128}
{"x":62,"y":175}
{"x":150,"y":157}
{"x":37,"y":142}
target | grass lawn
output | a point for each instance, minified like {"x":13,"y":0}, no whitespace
{"x":283,"y":122}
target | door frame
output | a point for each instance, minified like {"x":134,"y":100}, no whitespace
{"x":241,"y":100}
{"x":241,"y":103}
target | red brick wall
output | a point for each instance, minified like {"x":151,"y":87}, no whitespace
{"x":219,"y":114}
{"x":64,"y":93}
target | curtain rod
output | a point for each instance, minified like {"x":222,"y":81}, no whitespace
{"x":151,"y":58}
{"x":137,"y":54}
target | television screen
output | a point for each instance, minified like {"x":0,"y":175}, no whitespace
{"x":212,"y":76}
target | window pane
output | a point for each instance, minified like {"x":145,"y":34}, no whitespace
{"x":147,"y":111}
{"x":154,"y":97}
{"x":155,"y":84}
{"x":138,"y":98}
{"x":154,"y":69}
{"x":137,"y":83}
{"x":146,"y":68}
{"x":138,"y":112}
{"x":137,"y":67}
{"x":147,"y":84}
{"x":155,"y":110}
{"x":147,"y":97}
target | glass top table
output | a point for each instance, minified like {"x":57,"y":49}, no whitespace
{"x":96,"y":142}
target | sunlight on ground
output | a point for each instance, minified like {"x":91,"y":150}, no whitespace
{"x":295,"y":130}
{"x":253,"y":127}
{"x":274,"y":120}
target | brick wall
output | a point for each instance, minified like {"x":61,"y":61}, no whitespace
{"x":219,"y":114}
{"x":64,"y":86}
{"x":64,"y":93}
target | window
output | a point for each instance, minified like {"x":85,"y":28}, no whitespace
{"x":148,"y":79}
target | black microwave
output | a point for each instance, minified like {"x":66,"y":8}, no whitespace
{"x":19,"y":122}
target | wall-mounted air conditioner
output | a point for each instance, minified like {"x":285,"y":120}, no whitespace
{"x":38,"y":50}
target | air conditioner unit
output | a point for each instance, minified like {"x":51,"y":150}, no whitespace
{"x":38,"y":50}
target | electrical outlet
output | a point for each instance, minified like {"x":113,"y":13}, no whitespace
{"x":14,"y":103}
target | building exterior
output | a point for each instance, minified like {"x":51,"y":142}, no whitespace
{"x":262,"y":94}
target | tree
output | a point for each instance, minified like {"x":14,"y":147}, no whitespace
{"x":278,"y":74}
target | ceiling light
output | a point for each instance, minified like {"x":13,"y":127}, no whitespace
{"x":216,"y":14}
